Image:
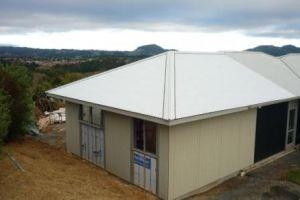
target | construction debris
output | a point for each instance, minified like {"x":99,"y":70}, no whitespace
{"x":57,"y":116}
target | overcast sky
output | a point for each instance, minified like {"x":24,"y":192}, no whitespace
{"x":198,"y":25}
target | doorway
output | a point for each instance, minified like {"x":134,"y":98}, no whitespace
{"x":92,"y":135}
{"x":145,"y":155}
{"x":291,"y":125}
{"x":92,"y":144}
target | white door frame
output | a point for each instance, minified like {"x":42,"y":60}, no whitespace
{"x":292,"y":106}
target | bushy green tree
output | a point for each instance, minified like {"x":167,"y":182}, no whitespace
{"x":70,"y":77}
{"x":16,"y":82}
{"x":5,"y":118}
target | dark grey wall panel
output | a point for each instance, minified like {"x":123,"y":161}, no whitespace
{"x":270,"y":130}
{"x":298,"y":125}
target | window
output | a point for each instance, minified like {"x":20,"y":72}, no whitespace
{"x":85,"y":113}
{"x":145,"y":136}
{"x":91,"y":115}
{"x":292,"y":116}
{"x":97,"y":116}
{"x":150,"y":134}
{"x":138,"y":134}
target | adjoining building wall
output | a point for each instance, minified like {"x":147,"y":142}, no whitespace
{"x":72,"y":128}
{"x":205,"y":151}
{"x":163,"y":161}
{"x":118,"y":132}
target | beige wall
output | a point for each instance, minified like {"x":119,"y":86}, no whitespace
{"x":118,"y":136}
{"x":117,"y":130}
{"x":163,"y":161}
{"x":72,"y":128}
{"x":190,"y":155}
{"x":204,"y":151}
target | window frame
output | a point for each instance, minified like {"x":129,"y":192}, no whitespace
{"x":90,"y":117}
{"x":101,"y":124}
{"x":144,"y":139}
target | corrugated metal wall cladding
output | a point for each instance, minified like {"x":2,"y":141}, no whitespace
{"x":118,"y":130}
{"x":204,"y":151}
{"x":163,"y":161}
{"x":72,"y":128}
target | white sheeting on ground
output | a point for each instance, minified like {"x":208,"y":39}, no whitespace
{"x":57,"y":116}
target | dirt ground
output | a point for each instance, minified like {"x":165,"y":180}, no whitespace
{"x":51,"y":173}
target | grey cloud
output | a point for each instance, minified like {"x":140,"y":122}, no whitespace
{"x":274,"y":18}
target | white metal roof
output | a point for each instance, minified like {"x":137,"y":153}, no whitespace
{"x":174,"y":87}
{"x":271,"y":68}
{"x":292,"y":61}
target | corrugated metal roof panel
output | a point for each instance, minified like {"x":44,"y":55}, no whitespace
{"x":271,"y":68}
{"x":177,"y":85}
{"x":208,"y":83}
{"x":138,"y":87}
{"x":293,"y":61}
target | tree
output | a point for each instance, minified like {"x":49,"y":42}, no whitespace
{"x":16,"y":82}
{"x":5,"y":119}
{"x":70,"y":77}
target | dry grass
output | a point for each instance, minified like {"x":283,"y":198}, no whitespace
{"x":54,"y":174}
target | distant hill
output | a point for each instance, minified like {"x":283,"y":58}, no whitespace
{"x":151,"y":49}
{"x":33,"y":53}
{"x":8,"y":51}
{"x":276,"y":51}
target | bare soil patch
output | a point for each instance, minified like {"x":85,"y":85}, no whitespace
{"x":51,"y":173}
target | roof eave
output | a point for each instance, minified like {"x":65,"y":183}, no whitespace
{"x":174,"y":121}
{"x":228,"y":111}
{"x":111,"y":109}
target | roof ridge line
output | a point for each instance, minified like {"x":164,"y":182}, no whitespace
{"x":169,"y":96}
{"x":164,"y":89}
{"x":288,"y":55}
{"x":289,"y":67}
{"x":174,"y":83}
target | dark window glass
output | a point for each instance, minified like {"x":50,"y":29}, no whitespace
{"x":80,"y":112}
{"x":292,"y":119}
{"x":138,"y":134}
{"x":85,"y":113}
{"x":150,"y":134}
{"x":96,"y":116}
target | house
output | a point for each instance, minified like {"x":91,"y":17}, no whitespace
{"x":180,"y":122}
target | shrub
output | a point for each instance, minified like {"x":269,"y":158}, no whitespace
{"x":16,"y":82}
{"x":5,"y":118}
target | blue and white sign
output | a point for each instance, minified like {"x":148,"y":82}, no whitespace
{"x":144,"y":171}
